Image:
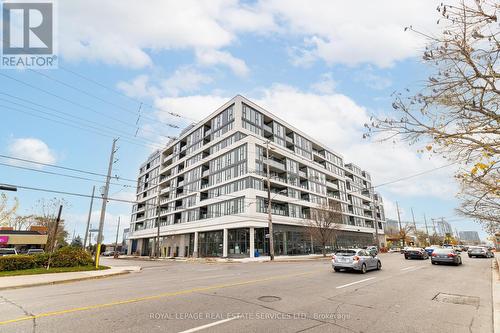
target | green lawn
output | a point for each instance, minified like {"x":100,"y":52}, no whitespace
{"x":51,"y":270}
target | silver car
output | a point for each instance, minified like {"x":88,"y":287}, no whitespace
{"x":480,"y":252}
{"x":355,"y":259}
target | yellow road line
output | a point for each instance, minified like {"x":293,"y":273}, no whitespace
{"x":147,"y":298}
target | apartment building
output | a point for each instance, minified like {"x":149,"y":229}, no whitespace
{"x":469,"y":237}
{"x":208,"y":189}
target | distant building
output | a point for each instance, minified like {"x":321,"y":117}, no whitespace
{"x":23,"y":240}
{"x":469,"y":237}
{"x":443,"y":227}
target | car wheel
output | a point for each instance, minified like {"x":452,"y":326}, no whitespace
{"x":433,"y":262}
{"x":363,"y":269}
{"x":336,"y":269}
{"x":379,"y":265}
{"x":406,"y":257}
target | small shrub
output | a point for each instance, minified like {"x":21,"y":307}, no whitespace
{"x":12,"y":263}
{"x":64,"y":257}
{"x":70,"y":257}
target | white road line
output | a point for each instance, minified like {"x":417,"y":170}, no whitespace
{"x":350,"y":284}
{"x":404,"y":269}
{"x":199,"y":328}
{"x":414,"y":269}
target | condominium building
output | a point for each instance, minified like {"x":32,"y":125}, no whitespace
{"x":469,"y":237}
{"x":208,"y":190}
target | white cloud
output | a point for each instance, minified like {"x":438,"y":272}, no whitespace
{"x":211,"y":57}
{"x":184,"y":79}
{"x":353,"y":32}
{"x":326,"y":84}
{"x":369,"y":78}
{"x":32,"y":149}
{"x":125,"y":33}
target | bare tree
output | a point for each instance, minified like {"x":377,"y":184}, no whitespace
{"x":6,"y":212}
{"x":324,"y":223}
{"x":46,"y":214}
{"x":456,"y":114}
{"x":404,"y":233}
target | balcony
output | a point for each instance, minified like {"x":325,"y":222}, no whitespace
{"x":332,"y":185}
{"x":276,"y":164}
{"x":302,"y":174}
{"x":267,"y":128}
{"x":205,"y":173}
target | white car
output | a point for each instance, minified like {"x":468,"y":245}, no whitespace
{"x":8,"y":251}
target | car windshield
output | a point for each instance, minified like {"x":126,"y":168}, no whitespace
{"x":345,"y":252}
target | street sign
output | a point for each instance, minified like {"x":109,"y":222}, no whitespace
{"x":4,"y":239}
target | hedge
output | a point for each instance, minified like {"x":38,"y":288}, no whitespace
{"x":64,"y":257}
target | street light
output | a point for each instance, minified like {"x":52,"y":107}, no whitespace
{"x":8,"y":188}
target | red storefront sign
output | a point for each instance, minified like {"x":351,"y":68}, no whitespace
{"x":4,"y":239}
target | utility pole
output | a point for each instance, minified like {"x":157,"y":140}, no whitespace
{"x":400,"y":228}
{"x":269,"y":217}
{"x":377,"y":243}
{"x":414,"y":224}
{"x":158,"y":210}
{"x":104,"y":203}
{"x":115,"y":254}
{"x":89,"y":217}
{"x":54,"y":235}
{"x":117,"y":231}
{"x":426,"y":229}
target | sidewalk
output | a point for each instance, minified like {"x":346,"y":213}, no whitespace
{"x":496,"y":293}
{"x":22,"y":281}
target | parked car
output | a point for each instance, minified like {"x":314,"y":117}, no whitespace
{"x":35,"y":251}
{"x":446,"y":256}
{"x":8,"y":251}
{"x":355,"y":259}
{"x":108,"y":253}
{"x":372,"y":249}
{"x":479,"y":251}
{"x":404,"y":249}
{"x":394,"y":249}
{"x":416,"y":253}
{"x":430,"y":249}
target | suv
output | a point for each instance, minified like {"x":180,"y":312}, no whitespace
{"x":8,"y":251}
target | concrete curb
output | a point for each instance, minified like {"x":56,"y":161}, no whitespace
{"x":69,"y":279}
{"x":495,"y":285}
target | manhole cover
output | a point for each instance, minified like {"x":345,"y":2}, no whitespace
{"x":457,"y":299}
{"x":269,"y":298}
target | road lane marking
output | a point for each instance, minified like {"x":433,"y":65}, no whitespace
{"x":404,"y":269}
{"x":350,"y":284}
{"x":414,"y":269}
{"x":199,"y":328}
{"x":152,"y":297}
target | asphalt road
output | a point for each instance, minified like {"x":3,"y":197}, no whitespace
{"x":405,"y":296}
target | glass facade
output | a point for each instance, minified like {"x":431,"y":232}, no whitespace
{"x":238,"y":242}
{"x":210,"y":244}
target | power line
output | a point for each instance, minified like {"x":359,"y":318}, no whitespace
{"x":97,"y":97}
{"x":61,"y":174}
{"x":115,"y":91}
{"x":67,"y":114}
{"x":62,"y":167}
{"x":74,"y":103}
{"x":122,"y":134}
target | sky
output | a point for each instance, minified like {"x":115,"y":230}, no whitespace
{"x":127,"y":67}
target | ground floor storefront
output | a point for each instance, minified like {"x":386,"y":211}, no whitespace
{"x":247,"y":242}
